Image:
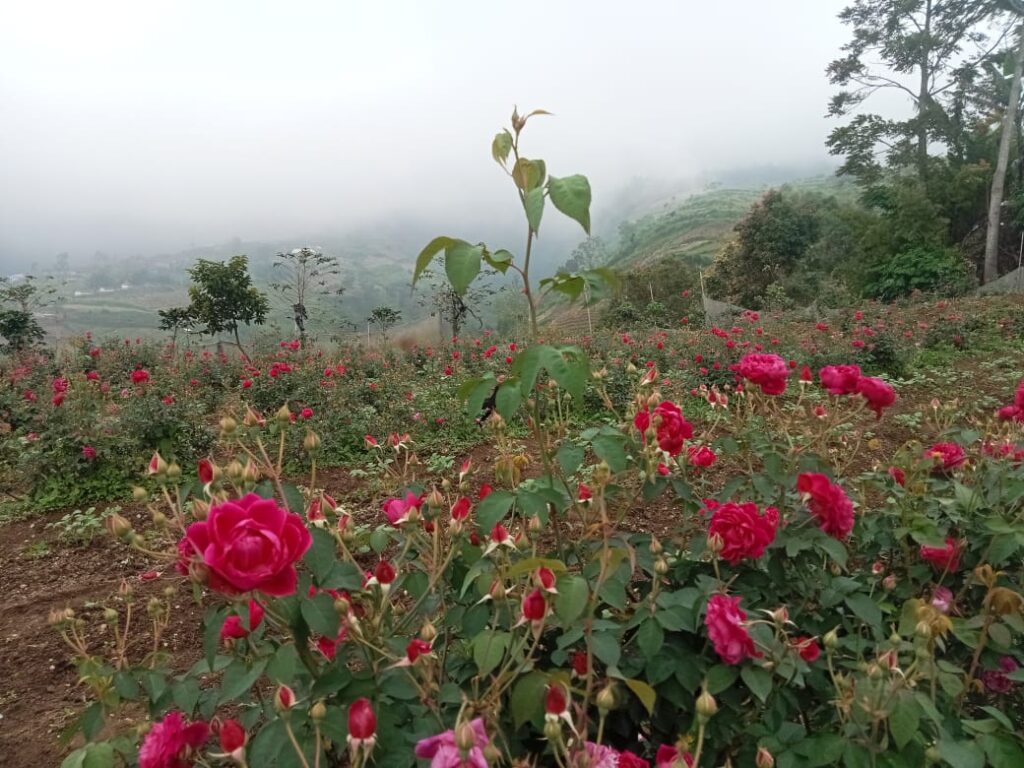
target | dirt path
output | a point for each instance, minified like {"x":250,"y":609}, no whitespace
{"x":39,"y":694}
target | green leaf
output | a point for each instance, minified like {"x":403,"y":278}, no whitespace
{"x":320,"y":616}
{"x":568,"y":366}
{"x":501,"y":146}
{"x":185,"y":695}
{"x":283,"y":664}
{"x":483,"y":389}
{"x":571,"y":196}
{"x":427,"y":255}
{"x":961,"y":754}
{"x":650,"y":637}
{"x":239,"y":678}
{"x":76,"y":759}
{"x":462,"y":264}
{"x":99,"y":756}
{"x":293,"y":498}
{"x":1002,"y":751}
{"x":904,"y":720}
{"x":533,"y":563}
{"x":606,"y":648}
{"x":508,"y":399}
{"x":321,"y":556}
{"x":720,"y":677}
{"x":571,"y":600}
{"x":823,"y":749}
{"x":527,"y":701}
{"x":489,"y":649}
{"x":534,"y":205}
{"x":528,"y":174}
{"x":865,"y":608}
{"x":569,"y":457}
{"x":758,"y":680}
{"x":213,"y":620}
{"x":834,"y":549}
{"x":644,"y":692}
{"x":610,"y":448}
{"x":493,"y":508}
{"x":500,"y":260}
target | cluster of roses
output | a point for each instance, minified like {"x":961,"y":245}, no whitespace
{"x":771,"y":373}
{"x":1015,"y":411}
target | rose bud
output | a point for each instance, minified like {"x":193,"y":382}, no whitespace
{"x":764,"y":758}
{"x":284,"y":699}
{"x":362,"y":726}
{"x":118,"y":526}
{"x":556,"y":702}
{"x":706,"y":706}
{"x":232,"y":738}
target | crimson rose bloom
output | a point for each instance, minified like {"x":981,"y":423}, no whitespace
{"x":828,"y":502}
{"x":702,"y":456}
{"x":743,"y":530}
{"x":724,"y":621}
{"x":840,"y":379}
{"x":769,"y":372}
{"x":943,"y":559}
{"x":946,"y":456}
{"x":171,"y":742}
{"x":672,"y":428}
{"x":808,"y":648}
{"x":249,"y":544}
{"x":878,"y":393}
{"x":668,"y":754}
{"x":628,"y":760}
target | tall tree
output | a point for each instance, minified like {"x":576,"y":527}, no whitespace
{"x":305,"y":272}
{"x":995,"y":204}
{"x":918,"y":47}
{"x":222,"y":296}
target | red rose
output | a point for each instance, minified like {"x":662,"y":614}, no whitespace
{"x":668,"y":755}
{"x":206,"y":472}
{"x":628,"y":760}
{"x":140,"y":376}
{"x":808,"y":648}
{"x":232,"y":736}
{"x":943,"y":559}
{"x":769,"y":372}
{"x":879,"y":394}
{"x":362,"y":721}
{"x":578,"y":662}
{"x":729,"y":636}
{"x":556,"y":701}
{"x":828,"y":502}
{"x":171,"y":742}
{"x":702,"y":456}
{"x":672,"y":428}
{"x":535,"y":607}
{"x":840,"y":379}
{"x":233,"y":627}
{"x":946,"y":456}
{"x":898,"y":475}
{"x":744,"y":531}
{"x":248,"y":544}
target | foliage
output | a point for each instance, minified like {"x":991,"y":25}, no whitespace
{"x":384,"y":318}
{"x":939,"y":270}
{"x":222,"y":296}
{"x":81,"y":528}
{"x":20,"y":330}
{"x":306,"y":273}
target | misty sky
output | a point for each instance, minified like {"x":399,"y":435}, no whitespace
{"x":147,"y":125}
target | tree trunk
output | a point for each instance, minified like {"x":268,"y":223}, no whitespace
{"x":238,"y":343}
{"x":924,"y":96}
{"x":995,"y":204}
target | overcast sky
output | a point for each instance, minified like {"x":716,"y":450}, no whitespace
{"x":148,"y":125}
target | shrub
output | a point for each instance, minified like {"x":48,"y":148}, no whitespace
{"x":926,"y":269}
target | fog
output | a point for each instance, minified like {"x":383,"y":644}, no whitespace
{"x":141,"y":127}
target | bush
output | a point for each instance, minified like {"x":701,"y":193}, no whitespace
{"x":931,"y":270}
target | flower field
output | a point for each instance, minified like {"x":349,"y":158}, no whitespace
{"x":788,"y":541}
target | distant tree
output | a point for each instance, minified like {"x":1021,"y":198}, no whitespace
{"x":305,"y":272}
{"x":384,"y":318}
{"x":28,"y":294}
{"x":452,"y":308}
{"x":19,"y":329}
{"x":590,"y":254}
{"x":222,"y":296}
{"x":919,"y":47}
{"x":769,"y":243}
{"x":176,"y":319}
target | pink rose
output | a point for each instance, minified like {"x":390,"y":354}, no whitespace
{"x":769,"y":372}
{"x":442,"y":751}
{"x":828,"y":502}
{"x":728,"y":634}
{"x":171,"y":742}
{"x":840,"y":379}
{"x":248,"y":544}
{"x":879,"y":394}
